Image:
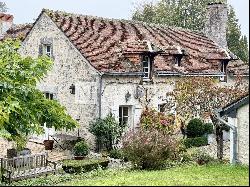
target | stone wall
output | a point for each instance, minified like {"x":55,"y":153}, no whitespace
{"x":243,"y":134}
{"x":117,"y":89}
{"x":69,"y":67}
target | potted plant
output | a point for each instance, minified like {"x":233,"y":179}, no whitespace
{"x":80,"y":150}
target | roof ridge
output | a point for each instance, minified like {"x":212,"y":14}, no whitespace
{"x":124,"y":20}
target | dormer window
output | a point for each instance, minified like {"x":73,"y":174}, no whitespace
{"x":223,"y":69}
{"x":146,"y":67}
{"x":177,"y":61}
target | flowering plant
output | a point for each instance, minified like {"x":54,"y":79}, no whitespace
{"x":151,"y":118}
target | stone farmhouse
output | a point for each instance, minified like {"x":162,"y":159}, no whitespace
{"x":108,"y":65}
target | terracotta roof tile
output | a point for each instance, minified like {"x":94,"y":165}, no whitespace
{"x":112,"y":45}
{"x":18,"y":31}
{"x":106,"y":42}
{"x":6,"y":17}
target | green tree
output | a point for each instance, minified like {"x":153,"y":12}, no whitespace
{"x":23,"y":108}
{"x":180,"y":13}
{"x":201,"y":96}
{"x":3,"y":7}
{"x":191,"y":14}
{"x":236,"y":42}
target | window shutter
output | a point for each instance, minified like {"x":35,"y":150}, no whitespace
{"x":40,"y":50}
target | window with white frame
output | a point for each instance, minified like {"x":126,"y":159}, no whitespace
{"x":223,"y":69}
{"x":146,"y":67}
{"x":47,"y":48}
{"x":48,"y":95}
{"x":177,"y":61}
{"x":124,"y":115}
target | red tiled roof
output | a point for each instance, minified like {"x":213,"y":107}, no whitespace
{"x":18,"y":31}
{"x":238,"y":67}
{"x":112,"y":45}
{"x":108,"y":44}
{"x":6,"y":17}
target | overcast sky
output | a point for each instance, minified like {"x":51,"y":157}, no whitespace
{"x":25,"y":11}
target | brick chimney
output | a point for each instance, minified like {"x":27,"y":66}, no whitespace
{"x":216,"y":23}
{"x":6,"y":21}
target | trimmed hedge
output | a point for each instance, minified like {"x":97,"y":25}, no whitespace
{"x":195,"y":142}
{"x":86,"y":165}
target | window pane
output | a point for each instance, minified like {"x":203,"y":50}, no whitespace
{"x":51,"y":96}
{"x":145,"y":64}
{"x":47,"y":95}
{"x":125,"y":120}
{"x":145,"y":58}
{"x":48,"y":48}
{"x":125,"y":111}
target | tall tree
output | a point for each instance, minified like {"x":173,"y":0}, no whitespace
{"x":201,"y":96}
{"x":23,"y":108}
{"x":3,"y":7}
{"x":236,"y":42}
{"x":191,"y":14}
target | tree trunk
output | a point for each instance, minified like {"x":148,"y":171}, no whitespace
{"x":219,"y":136}
{"x":219,"y":140}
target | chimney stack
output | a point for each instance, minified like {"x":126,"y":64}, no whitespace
{"x":6,"y":21}
{"x":216,"y":23}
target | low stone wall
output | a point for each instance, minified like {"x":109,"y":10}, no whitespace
{"x":212,"y":149}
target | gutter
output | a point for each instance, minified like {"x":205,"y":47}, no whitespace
{"x":162,"y":73}
{"x":124,"y":73}
{"x":233,"y":138}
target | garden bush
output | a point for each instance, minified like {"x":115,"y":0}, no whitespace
{"x":107,"y":132}
{"x":151,"y":118}
{"x":81,"y":149}
{"x":116,"y":154}
{"x":208,"y":128}
{"x":150,"y":149}
{"x":201,"y":158}
{"x":195,"y":128}
{"x":195,"y":142}
{"x":79,"y":166}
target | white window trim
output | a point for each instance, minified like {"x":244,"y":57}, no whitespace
{"x":148,"y":67}
{"x":129,"y":114}
{"x":223,"y":70}
{"x":45,"y":52}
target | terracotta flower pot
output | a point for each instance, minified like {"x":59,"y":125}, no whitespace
{"x":48,"y":144}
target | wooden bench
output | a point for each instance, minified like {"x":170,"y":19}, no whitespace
{"x":22,"y":167}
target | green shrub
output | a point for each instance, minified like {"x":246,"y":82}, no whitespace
{"x":195,"y":128}
{"x":200,"y":157}
{"x":195,"y":142}
{"x":78,"y":166}
{"x":150,"y":149}
{"x":208,"y":128}
{"x":81,"y":149}
{"x":107,"y":132}
{"x":116,"y":154}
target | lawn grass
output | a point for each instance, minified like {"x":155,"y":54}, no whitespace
{"x":187,"y":175}
{"x":210,"y":175}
